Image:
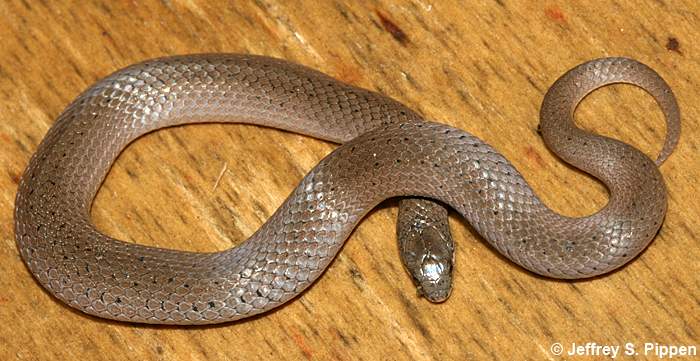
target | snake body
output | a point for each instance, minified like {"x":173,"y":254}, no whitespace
{"x":387,"y":151}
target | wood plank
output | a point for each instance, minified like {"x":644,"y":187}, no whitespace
{"x":482,"y":67}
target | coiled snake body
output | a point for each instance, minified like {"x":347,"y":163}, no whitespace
{"x":387,"y":151}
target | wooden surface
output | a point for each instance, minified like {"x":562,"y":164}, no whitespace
{"x":483,"y":68}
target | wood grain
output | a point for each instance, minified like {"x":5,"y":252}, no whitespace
{"x":483,"y":68}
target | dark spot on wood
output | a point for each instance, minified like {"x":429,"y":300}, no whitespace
{"x":555,"y":13}
{"x":672,"y":44}
{"x":14,"y":177}
{"x":533,"y":155}
{"x":342,"y":337}
{"x":393,"y":29}
{"x":356,"y":274}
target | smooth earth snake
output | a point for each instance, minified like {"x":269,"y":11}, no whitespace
{"x":387,"y":151}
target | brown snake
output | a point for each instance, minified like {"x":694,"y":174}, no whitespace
{"x":387,"y":151}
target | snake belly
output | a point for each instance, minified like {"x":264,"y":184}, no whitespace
{"x":388,"y":151}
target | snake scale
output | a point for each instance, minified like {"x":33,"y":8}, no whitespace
{"x":387,"y":151}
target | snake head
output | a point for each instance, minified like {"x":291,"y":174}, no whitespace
{"x":434,"y":281}
{"x":428,"y":255}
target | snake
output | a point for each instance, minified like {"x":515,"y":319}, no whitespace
{"x":386,"y":151}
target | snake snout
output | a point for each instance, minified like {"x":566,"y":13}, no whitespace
{"x":435,"y":280}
